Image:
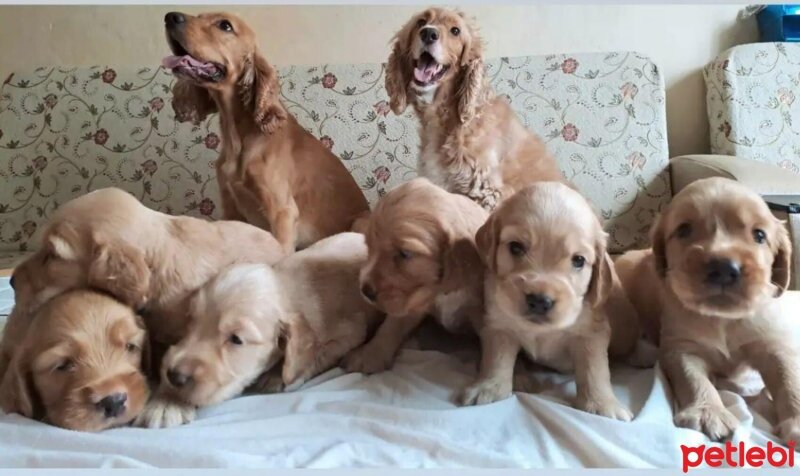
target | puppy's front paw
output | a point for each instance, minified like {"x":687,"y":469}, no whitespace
{"x":789,"y":430}
{"x":368,"y":359}
{"x":715,"y":421}
{"x":485,"y":392}
{"x":610,"y":408}
{"x":161,"y":412}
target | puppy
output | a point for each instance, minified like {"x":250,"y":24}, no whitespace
{"x":271,"y":171}
{"x":551,"y":290}
{"x":719,"y":262}
{"x":472,"y":142}
{"x":422,"y":261}
{"x":306,"y":311}
{"x":80,"y":365}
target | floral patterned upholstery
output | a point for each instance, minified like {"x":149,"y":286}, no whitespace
{"x":64,"y":132}
{"x":751,"y":102}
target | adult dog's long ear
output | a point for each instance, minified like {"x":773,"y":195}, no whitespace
{"x":486,"y":240}
{"x":658,"y":239}
{"x":472,"y":90}
{"x":460,"y":259}
{"x":121,"y":270}
{"x":191,"y":102}
{"x":782,"y":264}
{"x":16,"y":387}
{"x":399,"y":70}
{"x":602,"y":276}
{"x":260,"y":89}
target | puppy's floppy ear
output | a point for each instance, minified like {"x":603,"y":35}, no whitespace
{"x":300,"y":349}
{"x":472,"y":88}
{"x":261,"y":89}
{"x":782,"y":264}
{"x":602,"y":276}
{"x":486,"y":239}
{"x":191,"y":102}
{"x":658,"y":242}
{"x":399,"y":70}
{"x":121,"y":270}
{"x":16,"y":388}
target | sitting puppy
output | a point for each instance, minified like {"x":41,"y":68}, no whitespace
{"x":551,"y":290}
{"x":79,"y":366}
{"x":719,"y":261}
{"x":422,"y":261}
{"x":306,"y":310}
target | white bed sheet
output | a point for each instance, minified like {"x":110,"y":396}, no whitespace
{"x":400,"y":418}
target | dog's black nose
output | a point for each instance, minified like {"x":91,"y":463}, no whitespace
{"x":11,"y":281}
{"x":174,"y":18}
{"x":113,"y":405}
{"x":177,"y":379}
{"x":723,"y":272}
{"x":539,"y":303}
{"x":369,"y":292}
{"x":428,"y":35}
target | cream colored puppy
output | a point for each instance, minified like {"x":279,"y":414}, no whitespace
{"x":306,"y":311}
{"x":551,"y":291}
{"x":709,"y":290}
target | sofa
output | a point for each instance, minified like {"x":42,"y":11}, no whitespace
{"x":65,"y":131}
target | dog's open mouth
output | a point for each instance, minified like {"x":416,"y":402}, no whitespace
{"x":427,"y":70}
{"x":183,"y":64}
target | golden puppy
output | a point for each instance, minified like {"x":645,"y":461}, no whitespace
{"x":551,"y":291}
{"x":472,"y":142}
{"x":422,"y":261}
{"x":271,"y":171}
{"x":80,"y":365}
{"x":307,"y":311}
{"x":719,"y":261}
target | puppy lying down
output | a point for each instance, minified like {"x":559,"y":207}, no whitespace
{"x":552,"y":292}
{"x":306,"y":311}
{"x":79,"y":366}
{"x":708,"y":290}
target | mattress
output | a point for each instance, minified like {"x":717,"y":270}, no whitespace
{"x":403,"y":418}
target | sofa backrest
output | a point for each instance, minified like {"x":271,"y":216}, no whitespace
{"x":66,"y":131}
{"x":753,"y":111}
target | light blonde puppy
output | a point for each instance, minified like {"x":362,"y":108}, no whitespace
{"x":472,"y":142}
{"x":306,"y":311}
{"x":422,"y":261}
{"x":80,"y":365}
{"x":709,"y":289}
{"x":271,"y":171}
{"x":552,"y":292}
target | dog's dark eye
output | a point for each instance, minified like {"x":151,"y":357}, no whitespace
{"x":225,"y":25}
{"x":455,"y":31}
{"x":65,"y":366}
{"x":516,"y":248}
{"x":403,"y":254}
{"x":421,"y":22}
{"x":684,"y":230}
{"x":760,"y":236}
{"x":578,"y":262}
{"x":131,"y":347}
{"x":235,"y":340}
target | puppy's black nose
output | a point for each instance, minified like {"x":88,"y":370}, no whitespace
{"x":113,"y":405}
{"x":177,"y":379}
{"x":11,"y":281}
{"x":174,"y":18}
{"x":369,"y":292}
{"x":539,"y":303}
{"x":428,"y":35}
{"x":723,"y":272}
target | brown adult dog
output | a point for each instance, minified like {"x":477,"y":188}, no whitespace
{"x":80,"y":366}
{"x":422,"y":261}
{"x":472,"y":142}
{"x":551,"y":290}
{"x":271,"y":171}
{"x":709,"y":287}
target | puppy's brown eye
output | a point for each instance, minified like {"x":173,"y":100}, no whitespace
{"x":684,"y":230}
{"x":421,"y":22}
{"x":578,"y":262}
{"x":65,"y":366}
{"x":131,"y":347}
{"x":760,"y":236}
{"x":516,"y":248}
{"x":455,"y":31}
{"x":225,"y":25}
{"x":403,"y":255}
{"x":235,"y":340}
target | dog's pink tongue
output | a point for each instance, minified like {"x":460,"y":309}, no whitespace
{"x":424,"y":73}
{"x":173,"y":61}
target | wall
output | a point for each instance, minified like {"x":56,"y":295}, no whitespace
{"x":680,"y":38}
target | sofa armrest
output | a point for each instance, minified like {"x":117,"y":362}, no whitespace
{"x":766,"y":179}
